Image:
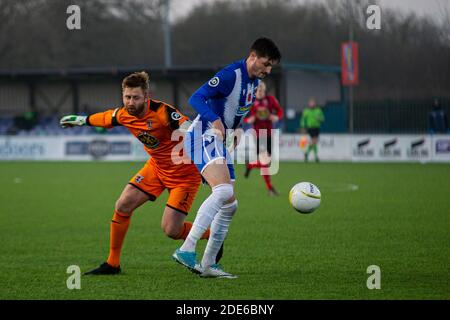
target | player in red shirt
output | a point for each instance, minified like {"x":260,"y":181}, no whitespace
{"x":264,"y":113}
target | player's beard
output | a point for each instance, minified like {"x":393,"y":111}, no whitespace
{"x":135,"y":110}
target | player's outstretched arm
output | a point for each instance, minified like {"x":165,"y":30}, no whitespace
{"x":72,"y":121}
{"x":107,"y":119}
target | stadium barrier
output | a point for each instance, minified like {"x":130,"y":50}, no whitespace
{"x":372,"y":148}
{"x":332,"y":147}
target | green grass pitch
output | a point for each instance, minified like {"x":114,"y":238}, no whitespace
{"x":395,"y":216}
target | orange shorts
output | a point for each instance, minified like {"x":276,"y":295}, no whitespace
{"x":182,"y":183}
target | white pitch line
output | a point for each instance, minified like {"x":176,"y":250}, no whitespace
{"x":340,"y":187}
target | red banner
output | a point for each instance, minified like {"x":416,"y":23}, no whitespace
{"x":349,"y":64}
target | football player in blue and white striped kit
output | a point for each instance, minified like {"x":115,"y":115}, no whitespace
{"x":221,"y":104}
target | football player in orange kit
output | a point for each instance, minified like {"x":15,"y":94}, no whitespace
{"x":152,"y":122}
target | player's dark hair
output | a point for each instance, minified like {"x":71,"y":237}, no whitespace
{"x":137,"y":79}
{"x":264,"y":47}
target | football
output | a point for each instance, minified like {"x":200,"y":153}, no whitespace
{"x":305,"y":197}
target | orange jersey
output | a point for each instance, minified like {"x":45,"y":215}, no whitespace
{"x":154,"y":130}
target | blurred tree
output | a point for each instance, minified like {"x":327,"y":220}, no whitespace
{"x":112,"y":33}
{"x":407,"y":58}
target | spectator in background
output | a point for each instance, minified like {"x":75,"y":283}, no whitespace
{"x":437,"y":118}
{"x":26,"y":121}
{"x":311,"y":120}
{"x":264,"y":114}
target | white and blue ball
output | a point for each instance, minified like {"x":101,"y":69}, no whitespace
{"x":305,"y":197}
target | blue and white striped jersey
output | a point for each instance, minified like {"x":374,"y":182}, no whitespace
{"x":228,"y":96}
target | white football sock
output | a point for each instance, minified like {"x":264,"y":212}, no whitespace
{"x":206,"y":213}
{"x":219,"y":230}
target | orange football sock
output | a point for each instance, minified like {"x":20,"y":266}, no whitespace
{"x":185,"y":231}
{"x":118,"y":230}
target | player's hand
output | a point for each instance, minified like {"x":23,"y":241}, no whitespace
{"x":250,"y":119}
{"x":233,"y":139}
{"x":72,"y":120}
{"x":219,"y":128}
{"x":273,"y":118}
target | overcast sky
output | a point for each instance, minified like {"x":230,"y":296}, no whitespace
{"x":432,"y":8}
